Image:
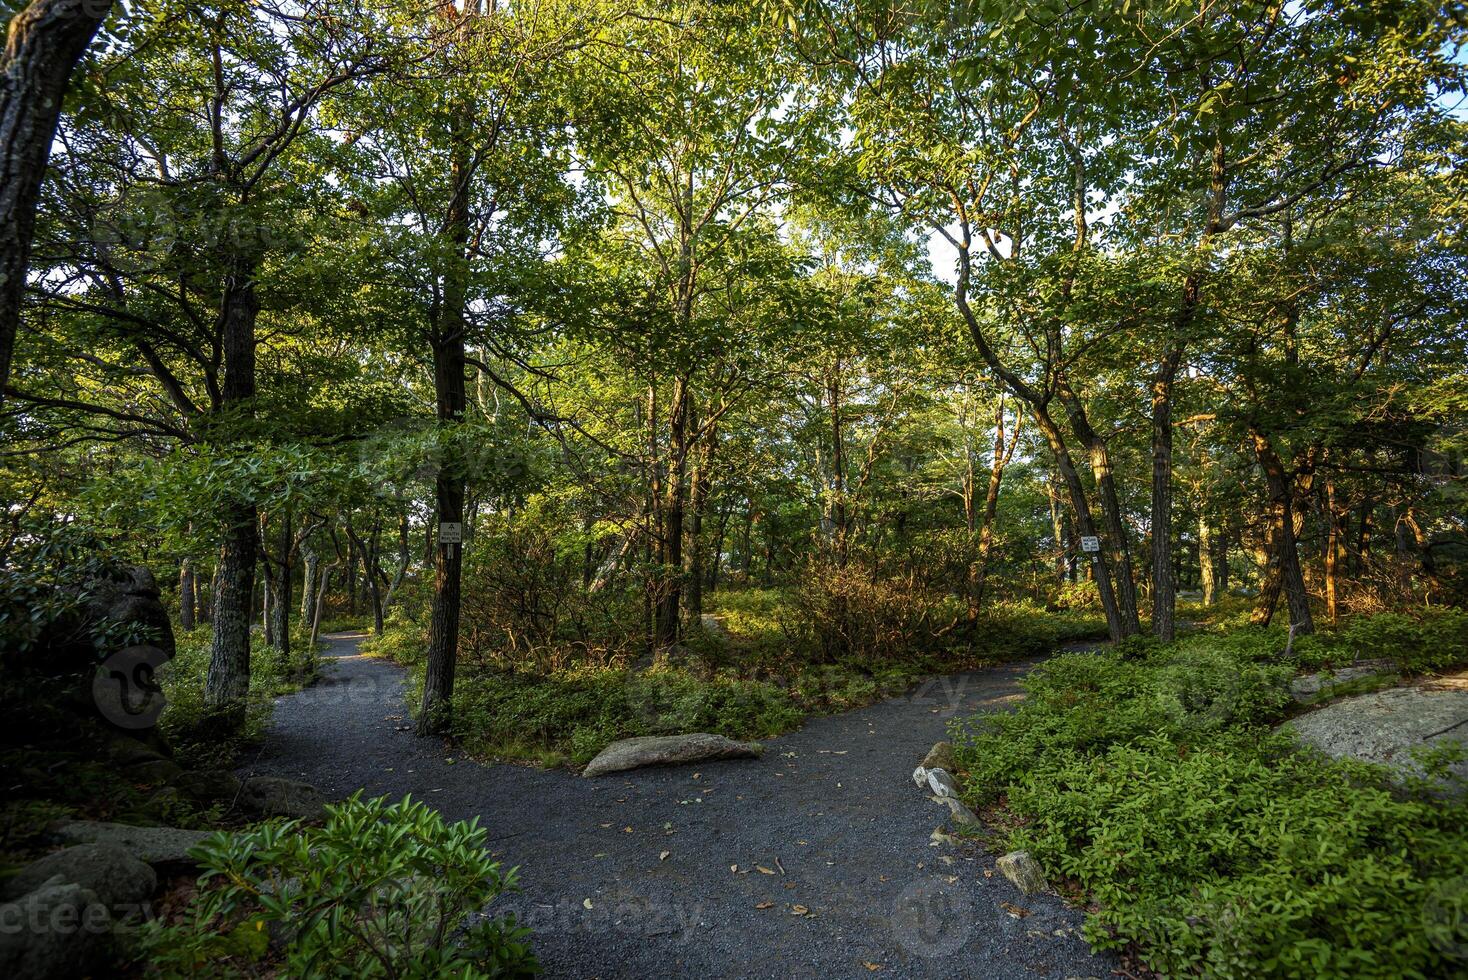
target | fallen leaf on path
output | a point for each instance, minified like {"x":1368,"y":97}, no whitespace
{"x":799,"y":910}
{"x":874,"y":967}
{"x":586,"y":904}
{"x":765,"y":905}
{"x":626,"y":830}
{"x":763,"y":870}
{"x":1014,"y":910}
{"x":664,"y":855}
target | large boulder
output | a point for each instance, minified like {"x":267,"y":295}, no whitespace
{"x":59,"y":930}
{"x":1386,"y":726}
{"x":107,"y":870}
{"x":272,"y":796}
{"x":659,"y":750}
{"x":154,"y":845}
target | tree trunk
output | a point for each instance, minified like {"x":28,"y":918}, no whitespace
{"x":448,"y":382}
{"x":1118,"y":541}
{"x":1286,"y":551}
{"x":186,"y":594}
{"x":316,"y":605}
{"x":44,"y":43}
{"x":675,"y":495}
{"x":1116,"y":625}
{"x":280,"y":601}
{"x":228,"y":680}
{"x":1003,"y":451}
{"x":1332,"y":550}
{"x":310,"y":564}
{"x":1057,"y":528}
{"x":697,"y":505}
{"x":1205,"y":561}
{"x":1164,"y":584}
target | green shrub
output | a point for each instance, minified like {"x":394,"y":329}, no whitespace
{"x":187,"y":721}
{"x":380,"y":890}
{"x":575,"y":713}
{"x":1150,"y":779}
{"x":1432,"y":640}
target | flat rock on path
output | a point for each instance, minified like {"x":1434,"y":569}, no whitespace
{"x":663,"y":750}
{"x":829,"y":812}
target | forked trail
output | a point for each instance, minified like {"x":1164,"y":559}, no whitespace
{"x":836,"y":875}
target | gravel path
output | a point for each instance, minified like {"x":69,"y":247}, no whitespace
{"x":830,"y":810}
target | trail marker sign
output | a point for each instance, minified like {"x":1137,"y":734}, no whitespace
{"x":1090,"y":543}
{"x":450,"y":532}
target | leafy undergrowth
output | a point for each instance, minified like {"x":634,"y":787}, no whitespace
{"x":380,"y":890}
{"x":186,"y":721}
{"x":748,"y":679}
{"x":53,"y":769}
{"x":1150,"y":779}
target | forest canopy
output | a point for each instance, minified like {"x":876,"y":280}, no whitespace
{"x":726,"y":363}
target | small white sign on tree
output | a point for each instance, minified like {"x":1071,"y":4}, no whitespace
{"x":450,"y":532}
{"x":1090,"y":543}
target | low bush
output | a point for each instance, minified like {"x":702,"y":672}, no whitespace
{"x":186,"y":720}
{"x":1150,"y":779}
{"x":380,"y":890}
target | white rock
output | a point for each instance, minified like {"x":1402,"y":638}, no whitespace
{"x":941,"y":783}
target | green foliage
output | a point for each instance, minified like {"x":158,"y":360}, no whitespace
{"x":1431,"y":640}
{"x":187,"y":720}
{"x":1149,"y":779}
{"x":380,"y":890}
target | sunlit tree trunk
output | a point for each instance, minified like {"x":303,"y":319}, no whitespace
{"x":186,"y":594}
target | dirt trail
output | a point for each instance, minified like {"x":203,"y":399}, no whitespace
{"x":830,"y":810}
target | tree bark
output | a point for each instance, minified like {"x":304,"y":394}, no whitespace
{"x":1286,"y":550}
{"x":449,"y":485}
{"x":228,"y":680}
{"x":43,"y":45}
{"x":1081,"y":509}
{"x":1003,"y":452}
{"x":697,"y":505}
{"x":675,"y":495}
{"x":1164,"y":583}
{"x":1205,"y":561}
{"x":186,"y":594}
{"x":280,"y":601}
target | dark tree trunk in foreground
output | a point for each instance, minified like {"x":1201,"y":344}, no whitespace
{"x":1164,"y":583}
{"x":228,"y":680}
{"x":42,"y":46}
{"x":447,"y":323}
